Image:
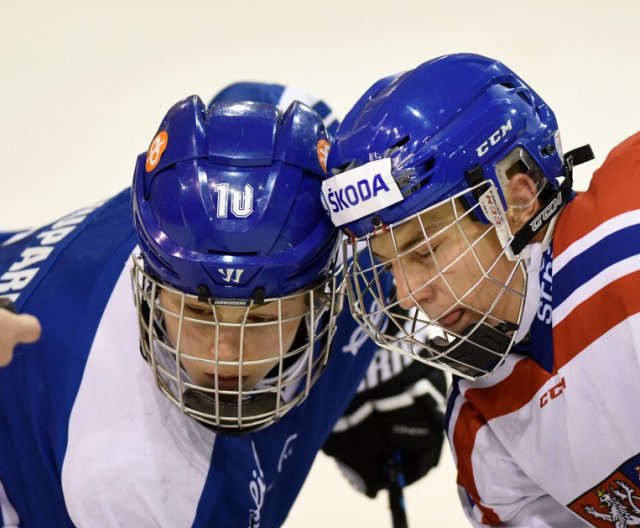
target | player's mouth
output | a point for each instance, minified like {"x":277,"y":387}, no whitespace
{"x":226,"y":382}
{"x":451,"y":320}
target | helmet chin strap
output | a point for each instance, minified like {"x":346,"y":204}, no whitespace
{"x":477,"y":351}
{"x":263,"y":404}
{"x":552,"y":206}
{"x":204,"y":403}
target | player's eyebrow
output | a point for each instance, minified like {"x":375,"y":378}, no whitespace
{"x":416,"y":238}
{"x":407,"y":244}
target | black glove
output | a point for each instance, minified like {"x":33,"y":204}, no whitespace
{"x":398,"y":412}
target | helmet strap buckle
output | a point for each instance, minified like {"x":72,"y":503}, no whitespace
{"x":554,"y":203}
{"x":478,"y":350}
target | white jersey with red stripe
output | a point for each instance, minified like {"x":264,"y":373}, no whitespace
{"x":552,"y":438}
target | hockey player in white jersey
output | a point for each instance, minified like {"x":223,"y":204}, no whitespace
{"x":452,"y":178}
{"x":184,"y":374}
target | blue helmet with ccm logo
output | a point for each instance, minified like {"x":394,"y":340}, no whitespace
{"x":226,"y":200}
{"x":441,"y":128}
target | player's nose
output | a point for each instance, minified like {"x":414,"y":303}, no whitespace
{"x":414,"y":284}
{"x":226,"y":344}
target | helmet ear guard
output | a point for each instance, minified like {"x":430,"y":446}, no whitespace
{"x":551,"y":206}
{"x":551,"y":199}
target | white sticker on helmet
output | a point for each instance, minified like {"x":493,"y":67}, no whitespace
{"x":358,"y":192}
{"x":494,"y":212}
{"x":558,"y":142}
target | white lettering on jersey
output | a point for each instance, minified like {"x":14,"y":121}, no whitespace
{"x":384,"y":366}
{"x":545,"y":309}
{"x":287,"y":450}
{"x":30,"y":256}
{"x":22,"y":272}
{"x":257,"y":488}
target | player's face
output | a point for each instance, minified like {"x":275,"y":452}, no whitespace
{"x":452,"y":270}
{"x":237,"y":345}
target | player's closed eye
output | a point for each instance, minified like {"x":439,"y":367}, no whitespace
{"x":262,"y":319}
{"x":197,"y":311}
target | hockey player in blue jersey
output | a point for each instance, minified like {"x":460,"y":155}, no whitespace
{"x":205,"y":401}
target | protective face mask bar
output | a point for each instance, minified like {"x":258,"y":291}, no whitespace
{"x":412,"y":330}
{"x":287,"y":371}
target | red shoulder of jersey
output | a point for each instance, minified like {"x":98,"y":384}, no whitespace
{"x":614,"y":190}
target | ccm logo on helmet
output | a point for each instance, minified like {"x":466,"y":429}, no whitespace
{"x":358,"y":192}
{"x":494,"y":139}
{"x":546,"y":213}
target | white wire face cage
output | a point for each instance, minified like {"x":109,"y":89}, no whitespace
{"x":459,"y":290}
{"x":234,"y":365}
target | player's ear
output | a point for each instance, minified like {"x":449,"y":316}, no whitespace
{"x":522,"y":200}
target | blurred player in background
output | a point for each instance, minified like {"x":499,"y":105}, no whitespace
{"x":452,"y":178}
{"x":204,"y":400}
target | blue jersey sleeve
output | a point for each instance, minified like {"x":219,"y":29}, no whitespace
{"x":62,"y":273}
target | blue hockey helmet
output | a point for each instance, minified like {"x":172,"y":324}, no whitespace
{"x":234,"y":242}
{"x":279,"y":95}
{"x":445,"y":125}
{"x":226,"y":200}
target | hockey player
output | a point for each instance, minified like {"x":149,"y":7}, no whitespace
{"x":184,"y":374}
{"x":452,"y":178}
